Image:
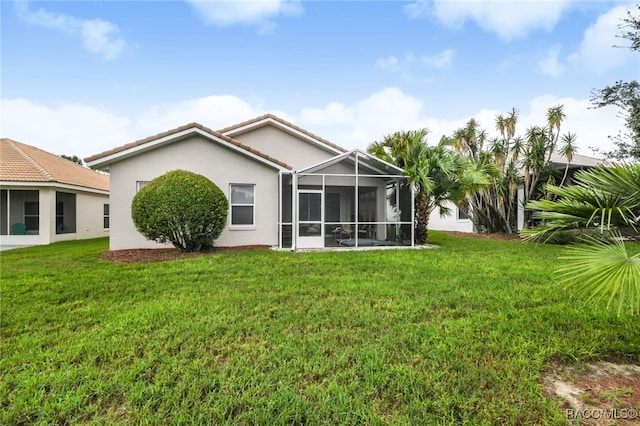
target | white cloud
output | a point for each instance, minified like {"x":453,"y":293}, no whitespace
{"x":365,"y":121}
{"x":549,"y":65}
{"x":251,"y":12}
{"x":441,"y":60}
{"x":214,"y":112}
{"x":85,"y":130}
{"x":389,"y":63}
{"x":69,"y":129}
{"x":98,"y":36}
{"x":596,"y":52}
{"x":507,"y":18}
{"x":592,"y":126}
{"x":390,"y":110}
{"x":334,"y":114}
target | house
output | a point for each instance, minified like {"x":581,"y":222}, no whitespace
{"x":457,"y":220}
{"x":45,"y":198}
{"x":286,"y":187}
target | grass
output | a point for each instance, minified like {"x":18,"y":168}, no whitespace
{"x":457,"y":335}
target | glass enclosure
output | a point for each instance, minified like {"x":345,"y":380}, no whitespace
{"x":354,"y":200}
{"x":20,"y":212}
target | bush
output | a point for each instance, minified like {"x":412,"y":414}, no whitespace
{"x":183,"y":208}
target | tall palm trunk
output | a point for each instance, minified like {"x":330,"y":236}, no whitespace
{"x":423,"y":211}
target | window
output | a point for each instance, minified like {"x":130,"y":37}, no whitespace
{"x":242,"y":205}
{"x":59,"y":216}
{"x":462,"y":215}
{"x":140,"y":184}
{"x":32,"y":215}
{"x":105,"y":219}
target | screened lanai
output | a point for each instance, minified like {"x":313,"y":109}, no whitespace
{"x":352,"y":200}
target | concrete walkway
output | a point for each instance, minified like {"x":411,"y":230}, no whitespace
{"x":3,"y":248}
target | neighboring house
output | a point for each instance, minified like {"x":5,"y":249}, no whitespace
{"x":45,"y":198}
{"x":458,"y":221}
{"x":286,"y":187}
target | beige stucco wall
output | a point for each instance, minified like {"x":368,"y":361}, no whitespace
{"x":199,"y":155}
{"x":89,"y":216}
{"x":284,"y":146}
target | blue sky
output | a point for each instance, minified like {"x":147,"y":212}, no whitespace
{"x":82,"y":77}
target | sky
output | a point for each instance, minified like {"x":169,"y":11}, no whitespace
{"x":82,"y":77}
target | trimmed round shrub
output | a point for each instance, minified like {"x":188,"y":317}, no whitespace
{"x":183,"y":208}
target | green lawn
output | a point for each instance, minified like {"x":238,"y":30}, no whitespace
{"x":460,"y":334}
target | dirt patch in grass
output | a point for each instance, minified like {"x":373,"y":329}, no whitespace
{"x":603,"y":393}
{"x":166,"y":254}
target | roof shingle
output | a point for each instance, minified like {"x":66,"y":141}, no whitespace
{"x":24,"y":163}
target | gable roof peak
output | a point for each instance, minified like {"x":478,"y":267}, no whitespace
{"x":272,"y":118}
{"x":206,"y":131}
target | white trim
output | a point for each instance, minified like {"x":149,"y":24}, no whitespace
{"x":294,"y":211}
{"x":357,"y":152}
{"x":252,"y":226}
{"x":306,"y":241}
{"x":140,"y":184}
{"x":280,"y":210}
{"x":16,"y":184}
{"x":174,"y":137}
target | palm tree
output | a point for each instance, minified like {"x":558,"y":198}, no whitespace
{"x":605,"y":199}
{"x":512,"y":160}
{"x":435,"y":172}
{"x":492,"y":206}
{"x":603,"y":269}
{"x":567,"y":150}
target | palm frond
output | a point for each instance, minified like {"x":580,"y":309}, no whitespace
{"x":602,"y":269}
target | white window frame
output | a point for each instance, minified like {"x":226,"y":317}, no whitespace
{"x":140,"y":184}
{"x":233,"y":226}
{"x":461,"y":219}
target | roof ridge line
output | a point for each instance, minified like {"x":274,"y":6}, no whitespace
{"x":43,"y":172}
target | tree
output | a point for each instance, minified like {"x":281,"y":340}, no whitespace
{"x":438,"y":174}
{"x":183,"y":208}
{"x":625,"y":96}
{"x":510,"y":161}
{"x":606,"y":201}
{"x":73,"y":158}
{"x":603,"y":198}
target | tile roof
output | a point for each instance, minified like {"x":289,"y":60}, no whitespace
{"x":285,"y":123}
{"x":577,"y":160}
{"x":183,"y":128}
{"x":24,"y":163}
